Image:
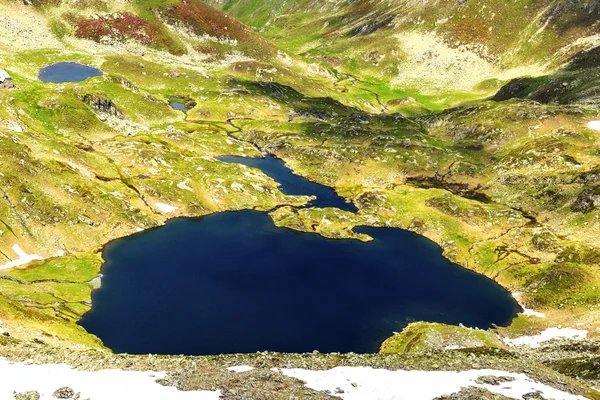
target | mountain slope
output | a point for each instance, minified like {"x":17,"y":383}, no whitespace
{"x":439,"y":46}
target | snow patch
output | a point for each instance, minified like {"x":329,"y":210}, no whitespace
{"x":165,"y":208}
{"x":454,"y":347}
{"x":548,"y":334}
{"x":100,"y":385}
{"x":528,"y":312}
{"x":359,"y":383}
{"x":23,"y":259}
{"x":183,"y":186}
{"x":241,"y":368}
{"x":594,"y":125}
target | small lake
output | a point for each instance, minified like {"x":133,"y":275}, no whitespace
{"x":235,"y":283}
{"x":63,"y":72}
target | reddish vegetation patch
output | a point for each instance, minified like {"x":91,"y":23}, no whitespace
{"x":204,"y":19}
{"x":127,"y":26}
{"x":40,"y":3}
{"x":471,"y":31}
{"x":340,"y":23}
{"x":206,"y":49}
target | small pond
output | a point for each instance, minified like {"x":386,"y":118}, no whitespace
{"x":67,"y":72}
{"x":235,"y":283}
{"x":179,"y":106}
{"x":181,"y":103}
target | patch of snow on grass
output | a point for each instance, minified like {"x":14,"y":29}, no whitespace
{"x":23,"y":259}
{"x":594,"y":125}
{"x":100,"y":385}
{"x":548,"y":334}
{"x":241,"y":368}
{"x":360,"y":383}
{"x":454,"y":347}
{"x":165,"y":208}
{"x":183,"y":186}
{"x":528,"y":312}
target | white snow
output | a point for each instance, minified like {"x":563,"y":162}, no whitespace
{"x":101,"y":385}
{"x":594,"y":125}
{"x":165,"y":207}
{"x":3,"y":75}
{"x":548,"y":334}
{"x":361,"y":383}
{"x":241,"y":368}
{"x":23,"y":259}
{"x":183,"y":185}
{"x":454,"y":347}
{"x":528,"y":312}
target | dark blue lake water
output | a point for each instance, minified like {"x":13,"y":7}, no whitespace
{"x":67,"y":72}
{"x":235,"y":283}
{"x":292,"y":184}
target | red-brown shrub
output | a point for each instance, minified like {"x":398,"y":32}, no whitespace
{"x":126,"y":26}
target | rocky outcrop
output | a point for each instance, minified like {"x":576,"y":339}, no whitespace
{"x":102,"y":105}
{"x":6,"y":81}
{"x":473,"y":393}
{"x":32,"y":395}
{"x":7,"y":84}
{"x":588,"y":200}
{"x":517,"y":88}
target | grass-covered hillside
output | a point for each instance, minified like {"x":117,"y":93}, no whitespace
{"x":442,"y":47}
{"x":178,"y":27}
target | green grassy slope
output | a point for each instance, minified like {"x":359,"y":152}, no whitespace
{"x":441,"y":47}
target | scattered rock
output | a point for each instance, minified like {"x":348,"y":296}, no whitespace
{"x":64,"y":393}
{"x":33,"y":395}
{"x":493,"y":380}
{"x":473,"y":393}
{"x":533,"y":396}
{"x":102,"y":104}
{"x":588,"y":200}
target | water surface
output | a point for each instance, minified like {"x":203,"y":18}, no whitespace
{"x":179,"y":106}
{"x":67,"y":72}
{"x":235,"y":283}
{"x":292,"y":184}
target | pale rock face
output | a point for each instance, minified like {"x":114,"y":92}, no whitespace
{"x":434,"y":66}
{"x":24,"y":29}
